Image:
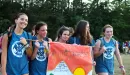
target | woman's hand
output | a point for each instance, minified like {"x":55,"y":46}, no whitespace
{"x":94,"y":63}
{"x":103,"y":49}
{"x":37,"y":44}
{"x":23,"y":41}
{"x":45,"y":43}
{"x":123,"y":71}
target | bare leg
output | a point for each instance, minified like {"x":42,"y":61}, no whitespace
{"x":103,"y":74}
{"x":26,"y":74}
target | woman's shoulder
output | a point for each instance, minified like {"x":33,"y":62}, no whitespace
{"x":92,"y":42}
{"x":34,"y":37}
{"x":73,"y":40}
{"x":48,"y":39}
{"x":73,"y":37}
{"x":99,"y":41}
{"x":27,"y":35}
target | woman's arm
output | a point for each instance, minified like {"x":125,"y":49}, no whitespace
{"x":97,"y":49}
{"x":49,"y":40}
{"x":4,"y":53}
{"x":119,"y":59}
{"x":36,"y":47}
{"x":46,"y":50}
{"x":28,"y":47}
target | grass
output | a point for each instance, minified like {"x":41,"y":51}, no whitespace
{"x":126,"y":62}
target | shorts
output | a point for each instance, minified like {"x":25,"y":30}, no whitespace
{"x":104,"y":69}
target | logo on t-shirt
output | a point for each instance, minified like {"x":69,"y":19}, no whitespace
{"x":108,"y":54}
{"x":18,"y":49}
{"x":41,"y":56}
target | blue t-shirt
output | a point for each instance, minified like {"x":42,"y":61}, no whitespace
{"x":17,"y":62}
{"x":106,"y":60}
{"x":38,"y":66}
{"x":76,"y":40}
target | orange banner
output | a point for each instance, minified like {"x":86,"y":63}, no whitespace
{"x":69,"y":59}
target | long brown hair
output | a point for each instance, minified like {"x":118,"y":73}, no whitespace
{"x":80,"y":32}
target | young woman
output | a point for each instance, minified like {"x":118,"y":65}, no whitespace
{"x":104,"y":51}
{"x":63,"y":34}
{"x":82,"y":34}
{"x":14,"y":58}
{"x":38,"y":63}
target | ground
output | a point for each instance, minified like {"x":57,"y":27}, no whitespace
{"x":126,"y":61}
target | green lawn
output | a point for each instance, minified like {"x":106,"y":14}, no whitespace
{"x":126,"y":61}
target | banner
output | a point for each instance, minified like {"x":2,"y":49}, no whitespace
{"x":69,"y":59}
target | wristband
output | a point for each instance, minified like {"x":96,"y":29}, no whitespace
{"x":26,"y":45}
{"x":46,"y":50}
{"x":121,"y":67}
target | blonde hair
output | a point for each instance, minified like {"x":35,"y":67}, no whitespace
{"x":107,"y":26}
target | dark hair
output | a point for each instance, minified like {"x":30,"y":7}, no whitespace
{"x":11,"y":29}
{"x":33,"y":28}
{"x":39,"y":25}
{"x":71,"y":30}
{"x":60,"y":32}
{"x":18,"y":15}
{"x":80,"y":31}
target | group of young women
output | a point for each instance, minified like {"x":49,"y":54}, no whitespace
{"x":14,"y":53}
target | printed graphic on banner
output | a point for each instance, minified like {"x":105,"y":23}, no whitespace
{"x":68,"y":59}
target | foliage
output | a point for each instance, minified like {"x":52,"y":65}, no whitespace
{"x":63,"y":12}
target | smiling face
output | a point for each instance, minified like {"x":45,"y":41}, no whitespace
{"x":65,"y":35}
{"x":108,"y":32}
{"x":22,"y":21}
{"x":42,"y":31}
